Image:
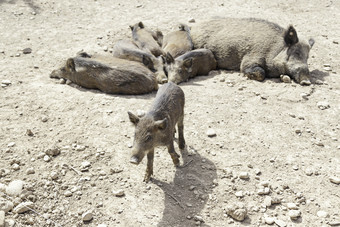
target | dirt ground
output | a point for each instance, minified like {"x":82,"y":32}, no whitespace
{"x":286,"y":137}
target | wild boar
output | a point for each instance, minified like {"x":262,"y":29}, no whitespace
{"x":147,"y":39}
{"x":191,"y":64}
{"x":178,"y":42}
{"x":119,"y":77}
{"x":257,"y":47}
{"x":127,"y":49}
{"x":157,"y":127}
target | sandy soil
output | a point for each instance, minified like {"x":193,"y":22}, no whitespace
{"x":279,"y":134}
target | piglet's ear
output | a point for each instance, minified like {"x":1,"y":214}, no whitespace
{"x":161,"y":124}
{"x":131,"y":27}
{"x":291,"y":36}
{"x":169,"y":59}
{"x":133,"y":118}
{"x":70,"y":66}
{"x":141,"y":25}
{"x":187,"y":63}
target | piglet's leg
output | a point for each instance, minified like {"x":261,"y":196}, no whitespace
{"x":149,"y":166}
{"x":173,"y":154}
{"x":252,"y":67}
{"x":181,"y":141}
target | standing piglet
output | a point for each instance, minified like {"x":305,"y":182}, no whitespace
{"x":178,"y":42}
{"x":191,"y":64}
{"x":257,"y":47}
{"x":147,"y":39}
{"x":157,"y":127}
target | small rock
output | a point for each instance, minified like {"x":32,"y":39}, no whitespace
{"x":2,"y":218}
{"x":263,"y":191}
{"x":322,"y":214}
{"x":30,"y":171}
{"x":29,"y":132}
{"x":6,"y":205}
{"x":269,"y":220}
{"x":292,"y":206}
{"x":191,"y":20}
{"x":319,"y":82}
{"x":334,"y":223}
{"x":328,"y":68}
{"x":323,"y":105}
{"x":280,"y":223}
{"x":23,"y":207}
{"x":62,"y":81}
{"x":141,"y":113}
{"x":335,"y":180}
{"x":80,"y":147}
{"x":239,"y":194}
{"x":294,"y":214}
{"x":27,"y":51}
{"x":47,"y":158}
{"x":53,"y":151}
{"x":15,"y":167}
{"x":14,"y":188}
{"x":267,"y":201}
{"x":67,"y":193}
{"x":105,"y":48}
{"x":295,"y":167}
{"x":87,"y":216}
{"x":285,"y":79}
{"x":6,"y":82}
{"x":304,"y":96}
{"x":244,"y":175}
{"x":118,"y":193}
{"x":11,"y":144}
{"x":309,"y":172}
{"x":85,"y":164}
{"x":264,"y":183}
{"x":10,"y":223}
{"x":198,"y":218}
{"x":237,"y":211}
{"x":68,"y":82}
{"x":54,"y":175}
{"x":211,"y":132}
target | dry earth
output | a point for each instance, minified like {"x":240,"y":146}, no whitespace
{"x":283,"y":135}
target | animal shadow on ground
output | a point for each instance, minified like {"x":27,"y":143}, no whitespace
{"x":30,"y":3}
{"x":189,"y":192}
{"x":318,"y":75}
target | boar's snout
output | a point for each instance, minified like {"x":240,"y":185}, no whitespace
{"x":134,"y":160}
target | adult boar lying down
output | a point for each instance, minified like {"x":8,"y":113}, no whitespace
{"x":257,"y":47}
{"x":117,"y":76}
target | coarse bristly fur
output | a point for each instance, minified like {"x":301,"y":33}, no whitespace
{"x":257,"y":47}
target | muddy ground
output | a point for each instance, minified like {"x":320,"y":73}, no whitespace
{"x":286,"y":137}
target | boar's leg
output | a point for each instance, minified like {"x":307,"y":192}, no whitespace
{"x":173,"y":154}
{"x":149,"y":166}
{"x":255,"y":73}
{"x":181,"y":141}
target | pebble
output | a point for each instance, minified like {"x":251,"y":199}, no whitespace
{"x":237,"y":211}
{"x":44,"y":118}
{"x":27,"y":51}
{"x":239,"y":194}
{"x":244,"y":175}
{"x":304,"y":96}
{"x":285,"y":79}
{"x":47,"y":158}
{"x":6,"y":82}
{"x":141,"y":113}
{"x":29,"y":132}
{"x":23,"y":207}
{"x":87,"y":216}
{"x":30,"y":171}
{"x":11,"y":144}
{"x":80,"y":147}
{"x":85,"y":164}
{"x":263,"y":191}
{"x":309,"y":172}
{"x":191,"y":20}
{"x":294,"y":214}
{"x":15,"y":167}
{"x":264,"y":183}
{"x":211,"y":132}
{"x":198,"y":218}
{"x":67,"y":193}
{"x":53,"y":151}
{"x":335,"y":180}
{"x":14,"y":188}
{"x":269,"y":220}
{"x":280,"y":223}
{"x":319,"y":82}
{"x":292,"y":206}
{"x":323,"y":105}
{"x":276,"y":200}
{"x":6,"y":205}
{"x":10,"y":223}
{"x":118,"y":193}
{"x":328,"y":68}
{"x":322,"y":214}
{"x":54,"y":175}
{"x":62,"y":81}
{"x":2,"y":218}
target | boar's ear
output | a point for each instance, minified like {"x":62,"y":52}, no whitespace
{"x":131,"y":27}
{"x":70,"y":66}
{"x":133,"y":118}
{"x":181,"y":27}
{"x":187,"y":63}
{"x":141,"y":25}
{"x":291,"y":36}
{"x":311,"y":42}
{"x":169,"y":59}
{"x":161,"y":124}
